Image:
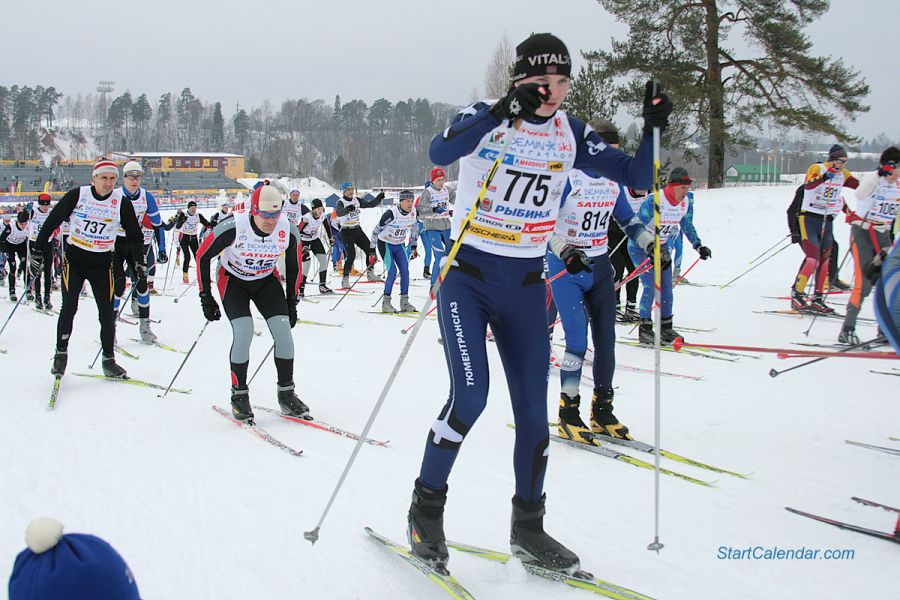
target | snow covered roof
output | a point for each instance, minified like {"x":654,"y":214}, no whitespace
{"x":179,"y":154}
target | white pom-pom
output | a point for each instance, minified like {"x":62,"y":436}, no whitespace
{"x":43,"y":534}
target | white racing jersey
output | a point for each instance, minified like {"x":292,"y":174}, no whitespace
{"x":292,"y":211}
{"x":36,"y":222}
{"x":825,"y":198}
{"x":94,"y":223}
{"x":351,"y":219}
{"x":313,"y":226}
{"x":191,"y":226}
{"x":251,"y":256}
{"x":399,"y":228}
{"x":584,"y":218}
{"x":518,"y":213}
{"x":670,"y":217}
{"x":634,"y":202}
{"x":16,"y":236}
{"x":881,"y":205}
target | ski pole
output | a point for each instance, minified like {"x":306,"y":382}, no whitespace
{"x":181,"y":295}
{"x":788,"y":245}
{"x":683,"y":275}
{"x":261,"y":363}
{"x":18,"y":302}
{"x":638,"y":271}
{"x":168,"y":266}
{"x":186,"y":357}
{"x":783,"y":353}
{"x":776,"y":373}
{"x":656,"y":545}
{"x":619,"y":245}
{"x":770,"y":249}
{"x":122,"y":306}
{"x":349,"y":289}
{"x":406,"y":330}
{"x":313,"y":535}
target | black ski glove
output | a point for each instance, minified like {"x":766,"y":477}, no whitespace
{"x":705,"y":252}
{"x":665,"y":259}
{"x":521,"y":102}
{"x":380,"y":196}
{"x":796,"y":238}
{"x":210,"y":307}
{"x":37,"y":261}
{"x":292,"y":310}
{"x":140,"y":270}
{"x":575,"y":260}
{"x":656,"y":109}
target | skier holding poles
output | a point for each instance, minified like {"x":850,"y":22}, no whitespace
{"x":496,"y":278}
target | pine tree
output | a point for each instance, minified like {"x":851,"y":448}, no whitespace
{"x":721,"y":96}
{"x":218,"y":128}
{"x":241,"y":124}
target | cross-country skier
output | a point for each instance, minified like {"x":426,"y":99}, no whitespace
{"x":434,"y":212}
{"x":676,"y":210}
{"x":147,"y":213}
{"x":189,"y":223}
{"x":223,"y":213}
{"x":622,"y":261}
{"x":14,"y":243}
{"x":814,"y":218}
{"x":878,"y":198}
{"x":497,"y":279}
{"x":886,"y":265}
{"x":313,"y":223}
{"x":95,"y":213}
{"x":249,"y":245}
{"x":40,"y":265}
{"x":396,"y":224}
{"x":347,"y":210}
{"x":589,"y":203}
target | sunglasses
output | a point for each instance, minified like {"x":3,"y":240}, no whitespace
{"x":269,"y":214}
{"x":135,"y":176}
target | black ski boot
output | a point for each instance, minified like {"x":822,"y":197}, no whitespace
{"x":570,"y":426}
{"x":426,"y":272}
{"x":48,"y":305}
{"x":112,"y":369}
{"x":631,"y":314}
{"x":603,"y":421}
{"x":532,"y":545}
{"x":290,"y":404}
{"x":668,"y":334}
{"x":12,"y":295}
{"x":60,"y":360}
{"x":425,"y":529}
{"x":240,"y":404}
{"x":302,"y":291}
{"x":645,"y":332}
{"x":324,"y":289}
{"x":799,"y":301}
{"x":38,"y":304}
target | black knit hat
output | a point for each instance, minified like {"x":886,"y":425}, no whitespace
{"x":407,"y":195}
{"x":541,"y":54}
{"x":891,"y":155}
{"x":679,"y":176}
{"x":837,"y":151}
{"x":316,"y":203}
{"x":22,"y":217}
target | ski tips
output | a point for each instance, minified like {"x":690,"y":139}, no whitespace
{"x":312,"y":536}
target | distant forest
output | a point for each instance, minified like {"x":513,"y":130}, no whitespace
{"x":386,"y":142}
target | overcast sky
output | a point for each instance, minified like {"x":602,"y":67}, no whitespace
{"x":246,"y":52}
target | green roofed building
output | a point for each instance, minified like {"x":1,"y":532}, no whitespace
{"x":765,"y":173}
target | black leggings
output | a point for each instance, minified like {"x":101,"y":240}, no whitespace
{"x":351,"y":236}
{"x":46,"y":268}
{"x":74,"y":274}
{"x":188,"y":241}
{"x":621,"y":263}
{"x":268,"y":296}
{"x":20,"y":250}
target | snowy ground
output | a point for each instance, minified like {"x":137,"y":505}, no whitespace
{"x":202,"y":509}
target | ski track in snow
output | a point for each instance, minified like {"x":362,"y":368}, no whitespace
{"x":201,"y":509}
